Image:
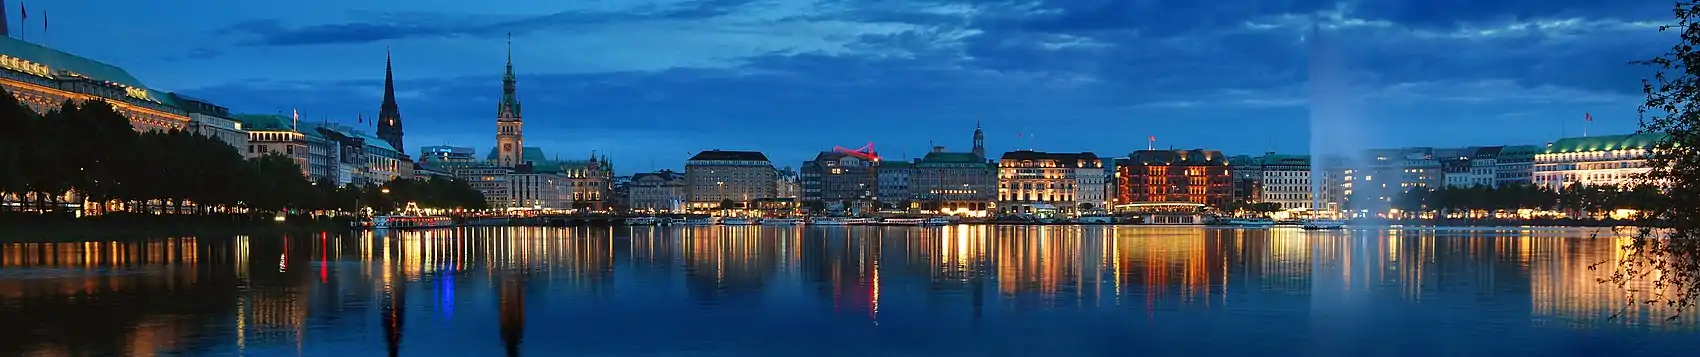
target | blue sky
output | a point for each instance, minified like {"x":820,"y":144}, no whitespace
{"x":649,"y":82}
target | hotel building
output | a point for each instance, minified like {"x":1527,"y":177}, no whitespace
{"x":1174,"y":176}
{"x":714,"y":176}
{"x":1597,"y":160}
{"x":1033,"y":182}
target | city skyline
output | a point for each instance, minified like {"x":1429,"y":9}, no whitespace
{"x":766,"y":76}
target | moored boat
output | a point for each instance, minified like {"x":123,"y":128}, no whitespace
{"x":1248,"y":222}
{"x":936,"y":221}
{"x":411,"y":222}
{"x":642,"y":221}
{"x":828,"y":221}
{"x":1095,"y":219}
{"x":781,"y":222}
{"x":904,"y":221}
{"x":697,"y":221}
{"x":1322,"y":224}
{"x":733,"y":221}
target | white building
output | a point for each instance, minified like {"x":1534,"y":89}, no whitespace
{"x":1089,"y":183}
{"x":1286,"y":181}
{"x":1598,"y":160}
{"x":661,"y":191}
{"x":537,"y":190}
{"x":490,"y":181}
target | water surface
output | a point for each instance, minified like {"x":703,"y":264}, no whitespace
{"x":833,"y":291}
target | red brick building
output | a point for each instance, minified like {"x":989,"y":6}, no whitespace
{"x":1171,"y":176}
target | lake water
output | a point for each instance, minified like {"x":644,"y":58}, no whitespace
{"x":833,"y":291}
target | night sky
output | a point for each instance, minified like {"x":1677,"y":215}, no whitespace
{"x":649,"y":82}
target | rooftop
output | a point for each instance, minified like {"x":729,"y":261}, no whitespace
{"x":1196,"y":157}
{"x":720,"y":155}
{"x":263,"y":122}
{"x":1040,"y":155}
{"x":950,"y":157}
{"x":60,"y":62}
{"x":1605,"y":143}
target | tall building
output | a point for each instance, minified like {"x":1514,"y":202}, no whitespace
{"x":894,"y":179}
{"x":1248,"y":178}
{"x":1595,"y":160}
{"x":510,"y":137}
{"x":957,"y":183}
{"x":787,"y":184}
{"x":715,"y":176}
{"x":1516,"y":165}
{"x":1287,"y":181}
{"x":44,"y":78}
{"x":589,"y":182}
{"x":1175,"y":176}
{"x":660,"y":191}
{"x":1041,"y":183}
{"x":836,"y":177}
{"x":389,"y":115}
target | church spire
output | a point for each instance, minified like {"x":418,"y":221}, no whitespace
{"x":389,"y":115}
{"x":979,"y":140}
{"x":509,"y":107}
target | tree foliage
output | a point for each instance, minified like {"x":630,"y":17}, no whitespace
{"x":1670,"y":258}
{"x":90,"y":149}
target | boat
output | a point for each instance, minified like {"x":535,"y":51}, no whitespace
{"x":1095,"y":219}
{"x":904,"y":221}
{"x":937,"y":221}
{"x":860,"y":221}
{"x":411,"y":222}
{"x":829,"y":221}
{"x":698,"y":221}
{"x":1248,"y":222}
{"x":642,"y":221}
{"x":672,"y":221}
{"x":1322,"y":224}
{"x":781,"y":222}
{"x":733,"y":221}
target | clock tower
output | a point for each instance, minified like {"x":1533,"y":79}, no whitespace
{"x":510,"y":137}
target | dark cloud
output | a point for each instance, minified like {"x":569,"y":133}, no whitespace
{"x":390,"y":26}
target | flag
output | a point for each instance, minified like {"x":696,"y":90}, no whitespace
{"x":1153,"y":138}
{"x":1589,"y":117}
{"x":361,"y":118}
{"x":24,"y":9}
{"x":296,"y":117}
{"x":43,"y":20}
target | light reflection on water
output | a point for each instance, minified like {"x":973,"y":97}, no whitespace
{"x":961,"y":290}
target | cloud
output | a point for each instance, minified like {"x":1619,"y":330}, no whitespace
{"x":794,"y":76}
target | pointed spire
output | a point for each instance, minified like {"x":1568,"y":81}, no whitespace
{"x":389,"y":126}
{"x":509,"y":106}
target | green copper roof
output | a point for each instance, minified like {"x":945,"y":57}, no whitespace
{"x":1605,"y":143}
{"x":895,"y":164}
{"x":1278,"y":159}
{"x":263,"y":122}
{"x":60,"y":62}
{"x":951,"y":157}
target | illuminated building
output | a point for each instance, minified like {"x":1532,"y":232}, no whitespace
{"x":590,"y":182}
{"x":510,"y":138}
{"x":957,"y":183}
{"x":43,"y":78}
{"x":660,"y":191}
{"x":714,"y":176}
{"x":835,"y":177}
{"x":1168,"y":176}
{"x":490,"y":181}
{"x":1598,"y":160}
{"x":893,"y":180}
{"x":1286,"y":181}
{"x":787,"y":185}
{"x":528,"y":189}
{"x":1033,"y":182}
{"x":1475,"y":166}
{"x":446,"y":154}
{"x":268,"y":134}
{"x":212,"y":120}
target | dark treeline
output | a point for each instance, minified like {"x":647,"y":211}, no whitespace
{"x":90,"y":149}
{"x":1573,"y":200}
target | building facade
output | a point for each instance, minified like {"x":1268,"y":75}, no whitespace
{"x":1174,"y":176}
{"x":787,"y":185}
{"x":1516,"y":165}
{"x":715,"y":176}
{"x":275,"y":134}
{"x":1287,"y":181}
{"x":661,"y":191}
{"x":1613,"y":160}
{"x":212,"y":120}
{"x":1033,"y":182}
{"x":447,"y":154}
{"x":491,"y":181}
{"x":894,"y":179}
{"x":836,"y":177}
{"x":538,"y":190}
{"x":44,"y":78}
{"x":956,"y":183}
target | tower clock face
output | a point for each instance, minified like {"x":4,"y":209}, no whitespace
{"x":507,"y":147}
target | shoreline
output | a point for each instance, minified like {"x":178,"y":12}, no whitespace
{"x":37,"y":229}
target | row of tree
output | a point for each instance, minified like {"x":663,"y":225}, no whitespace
{"x":93,"y":151}
{"x":1575,"y":200}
